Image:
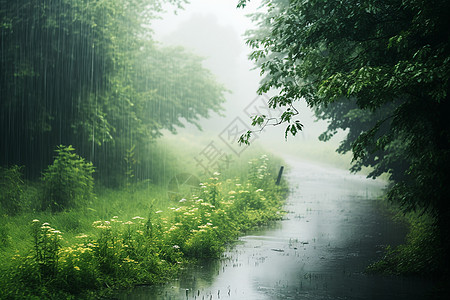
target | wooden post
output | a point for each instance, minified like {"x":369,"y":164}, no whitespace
{"x":279,"y":175}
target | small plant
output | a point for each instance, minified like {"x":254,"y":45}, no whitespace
{"x":259,"y":174}
{"x":107,"y":247}
{"x":46,"y":242}
{"x":210,"y":190}
{"x":68,"y":181}
{"x":11,"y":184}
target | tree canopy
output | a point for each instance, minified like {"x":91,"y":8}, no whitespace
{"x":89,"y":74}
{"x":377,"y":69}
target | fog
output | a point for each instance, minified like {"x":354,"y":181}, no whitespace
{"x":215,"y":30}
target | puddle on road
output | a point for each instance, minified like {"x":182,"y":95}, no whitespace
{"x":331,"y":233}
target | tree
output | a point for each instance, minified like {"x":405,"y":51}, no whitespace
{"x":377,"y":68}
{"x":88,"y":74}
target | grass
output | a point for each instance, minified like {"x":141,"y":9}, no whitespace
{"x":420,"y":254}
{"x":135,"y":234}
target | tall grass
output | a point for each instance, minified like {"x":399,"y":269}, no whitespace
{"x":134,"y":234}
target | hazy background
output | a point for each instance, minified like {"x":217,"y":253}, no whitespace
{"x":215,"y":30}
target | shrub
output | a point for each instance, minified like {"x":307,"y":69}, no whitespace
{"x":420,"y":254}
{"x":203,"y":243}
{"x":68,"y":181}
{"x":11,"y":184}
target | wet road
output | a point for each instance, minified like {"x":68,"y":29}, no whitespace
{"x":331,"y":232}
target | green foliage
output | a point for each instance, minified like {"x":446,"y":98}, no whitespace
{"x":259,"y":173}
{"x":11,"y":189}
{"x":68,"y":181}
{"x":117,"y":251}
{"x":106,"y":252}
{"x":124,"y":250}
{"x":210,"y":191}
{"x":223,"y":208}
{"x":421,"y":253}
{"x":46,"y":242}
{"x":88,"y":74}
{"x":377,"y":69}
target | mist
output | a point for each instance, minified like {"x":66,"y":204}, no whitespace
{"x":130,"y":169}
{"x":216,"y":31}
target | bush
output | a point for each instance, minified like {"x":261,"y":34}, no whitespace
{"x":68,"y":181}
{"x":421,"y":253}
{"x":11,"y":184}
{"x":203,"y":243}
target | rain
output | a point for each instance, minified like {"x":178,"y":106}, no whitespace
{"x":217,"y":149}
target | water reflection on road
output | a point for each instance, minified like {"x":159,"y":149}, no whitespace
{"x":331,"y":232}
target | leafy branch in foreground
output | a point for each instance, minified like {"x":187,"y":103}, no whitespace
{"x":263,"y":121}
